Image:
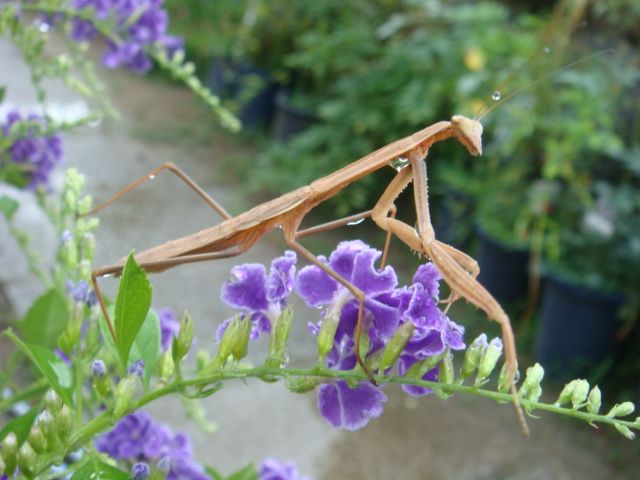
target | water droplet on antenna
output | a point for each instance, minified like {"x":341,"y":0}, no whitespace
{"x":356,"y":222}
{"x":496,"y":96}
{"x":151,"y":177}
{"x":399,"y":163}
{"x":547,"y":50}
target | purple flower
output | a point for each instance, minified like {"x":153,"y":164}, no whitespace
{"x":98,"y":368}
{"x":350,"y":408}
{"x":62,"y":356}
{"x":137,"y":438}
{"x":136,"y":368}
{"x":271,"y":469}
{"x":140,"y":23}
{"x":386,"y":308}
{"x":169,"y":327}
{"x":36,"y":155}
{"x":140,"y":471}
{"x":259,"y":295}
{"x":81,"y":293}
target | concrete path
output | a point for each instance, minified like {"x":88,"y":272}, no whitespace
{"x":463,"y":438}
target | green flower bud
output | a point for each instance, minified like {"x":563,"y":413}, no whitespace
{"x":446,"y":374}
{"x":26,"y":459}
{"x":622,"y":409}
{"x":504,"y":383}
{"x":64,"y":423}
{"x":228,"y":341}
{"x":70,"y":201}
{"x":580,"y":394}
{"x":327,"y":335}
{"x":534,"y":393}
{"x":69,"y":254}
{"x":240,"y":346}
{"x":473,"y":355}
{"x":74,"y":180}
{"x":419,"y":369}
{"x":84,"y":205}
{"x":395,"y":346}
{"x":302,"y":384}
{"x":88,"y":246}
{"x":36,"y":439}
{"x":279,"y":339}
{"x":52,"y":402}
{"x":532,"y":380}
{"x":594,"y":402}
{"x":125,"y":391}
{"x":489,"y":360}
{"x":47,"y":423}
{"x":183,"y":343}
{"x":85,"y":269}
{"x":624,"y":430}
{"x":566,"y":394}
{"x":167,"y":366}
{"x":9,"y":453}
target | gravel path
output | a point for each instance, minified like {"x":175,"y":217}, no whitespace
{"x":463,"y":438}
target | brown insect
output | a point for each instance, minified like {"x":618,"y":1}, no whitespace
{"x":236,"y":234}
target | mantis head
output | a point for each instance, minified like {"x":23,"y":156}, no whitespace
{"x":469,"y":132}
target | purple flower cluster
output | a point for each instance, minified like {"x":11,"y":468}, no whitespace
{"x":258,"y":295}
{"x":140,"y":23}
{"x":271,"y":469}
{"x":35,"y":154}
{"x":138,"y":438}
{"x":388,"y":307}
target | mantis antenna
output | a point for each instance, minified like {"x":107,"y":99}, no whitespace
{"x":482,"y":112}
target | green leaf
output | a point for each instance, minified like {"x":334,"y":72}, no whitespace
{"x":146,"y":346}
{"x":132,"y":304}
{"x":100,"y":471}
{"x":57,"y":372}
{"x":46,"y":319}
{"x":247,"y":473}
{"x":213,"y":473}
{"x":21,"y":426}
{"x":13,"y":174}
{"x":8,"y":206}
{"x":3,"y":91}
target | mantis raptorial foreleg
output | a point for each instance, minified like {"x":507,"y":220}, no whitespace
{"x":171,"y":167}
{"x":358,"y":294}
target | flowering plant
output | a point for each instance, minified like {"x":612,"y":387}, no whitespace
{"x":81,"y":412}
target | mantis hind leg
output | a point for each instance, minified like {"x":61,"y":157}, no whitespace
{"x":170,"y":167}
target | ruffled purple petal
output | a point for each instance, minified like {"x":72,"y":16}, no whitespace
{"x":281,"y":277}
{"x":350,"y":408}
{"x":343,"y":257}
{"x":367,"y":278}
{"x":428,"y":276}
{"x":426,"y":344}
{"x":454,"y":335}
{"x":422,"y":310}
{"x":248,"y":289}
{"x":315,"y":286}
{"x":271,"y":469}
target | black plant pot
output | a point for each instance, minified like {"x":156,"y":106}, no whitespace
{"x":229,"y":79}
{"x":504,"y":270}
{"x":288,"y":120}
{"x":577,"y":328}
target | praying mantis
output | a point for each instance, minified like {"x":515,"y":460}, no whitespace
{"x":236,"y":234}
